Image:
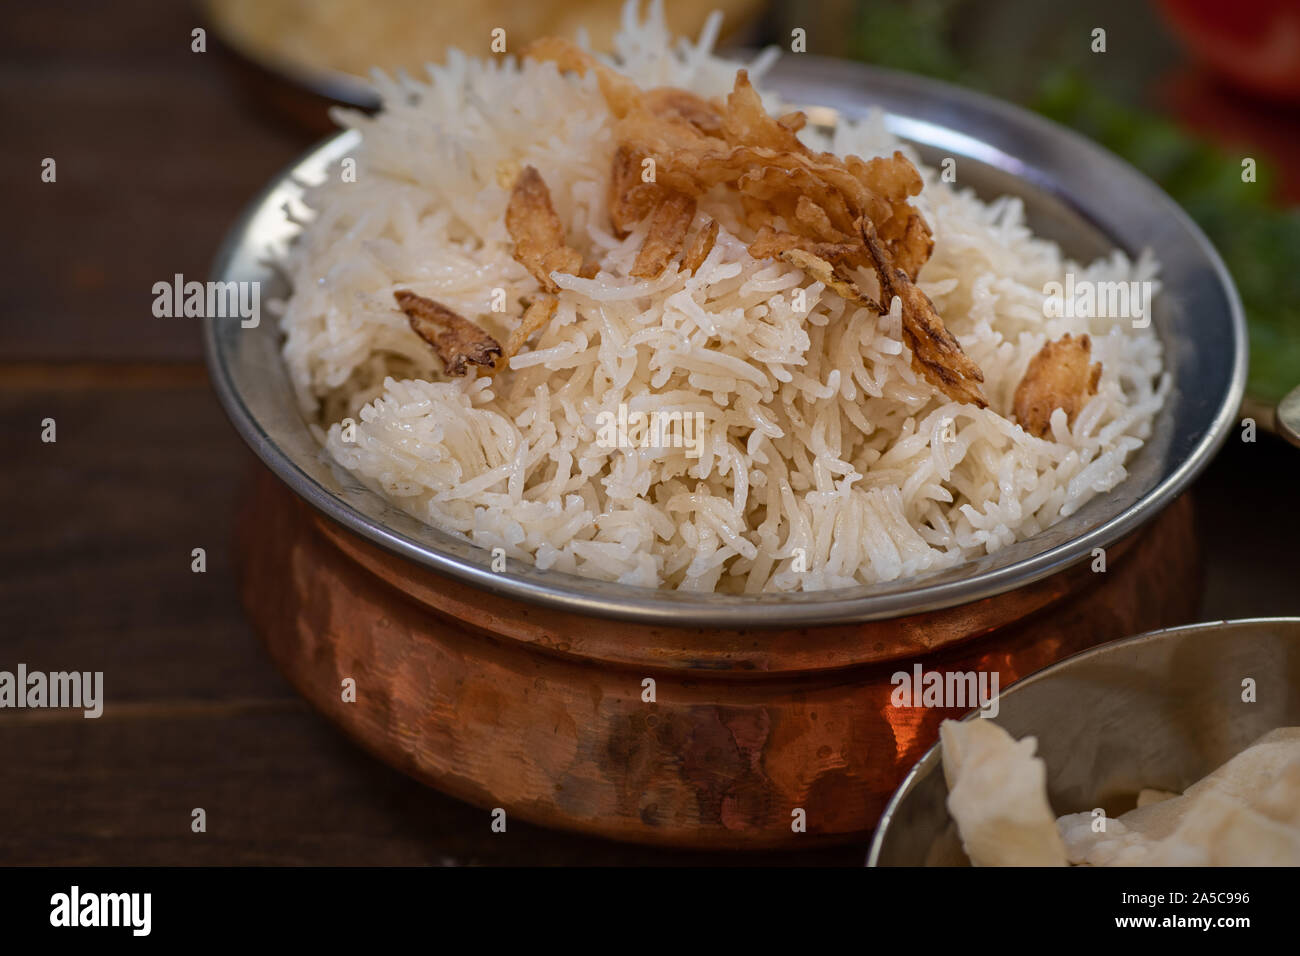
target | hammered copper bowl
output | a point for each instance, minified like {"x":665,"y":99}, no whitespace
{"x":714,"y":720}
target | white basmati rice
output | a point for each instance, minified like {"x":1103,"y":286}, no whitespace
{"x":824,"y":461}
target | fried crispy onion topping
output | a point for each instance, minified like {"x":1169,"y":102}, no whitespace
{"x":936,"y":354}
{"x":700,"y":247}
{"x":457,"y":341}
{"x":537,"y":315}
{"x":826,"y":215}
{"x":828,"y":275}
{"x":537,"y":231}
{"x":1059,"y":376}
{"x":668,"y":227}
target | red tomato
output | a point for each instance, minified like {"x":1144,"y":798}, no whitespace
{"x":1252,"y":43}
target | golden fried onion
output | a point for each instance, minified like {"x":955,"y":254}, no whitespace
{"x":537,"y":231}
{"x":668,"y":226}
{"x":936,"y":354}
{"x":455,"y":339}
{"x":824,"y":214}
{"x":539,"y":312}
{"x":700,"y":247}
{"x":1059,"y":376}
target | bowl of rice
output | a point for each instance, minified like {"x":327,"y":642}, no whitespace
{"x":654,"y":362}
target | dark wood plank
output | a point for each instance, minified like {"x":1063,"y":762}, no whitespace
{"x":97,"y":576}
{"x":279,"y":786}
{"x":96,"y":560}
{"x":155,"y":155}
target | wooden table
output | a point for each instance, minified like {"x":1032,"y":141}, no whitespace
{"x":155,"y":157}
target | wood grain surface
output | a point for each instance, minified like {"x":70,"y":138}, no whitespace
{"x":156,"y":155}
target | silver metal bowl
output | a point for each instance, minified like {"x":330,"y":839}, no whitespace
{"x":1074,"y":192}
{"x":1159,"y":710}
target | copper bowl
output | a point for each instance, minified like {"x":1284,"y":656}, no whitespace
{"x":524,"y":689}
{"x":543,"y":712}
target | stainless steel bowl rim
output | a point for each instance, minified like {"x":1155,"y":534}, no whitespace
{"x":667,"y":607}
{"x":933,"y":756}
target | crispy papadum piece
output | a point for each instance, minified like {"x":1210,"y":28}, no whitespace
{"x":538,"y":313}
{"x":669,"y":224}
{"x":1059,"y":376}
{"x":537,"y":231}
{"x":936,"y":354}
{"x":700,"y":247}
{"x":455,"y":339}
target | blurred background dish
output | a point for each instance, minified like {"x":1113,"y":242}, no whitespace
{"x":329,"y":47}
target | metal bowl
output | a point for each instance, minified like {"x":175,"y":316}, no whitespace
{"x":1159,"y":710}
{"x":1074,"y":192}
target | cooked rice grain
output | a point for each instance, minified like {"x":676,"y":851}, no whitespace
{"x":824,"y":460}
